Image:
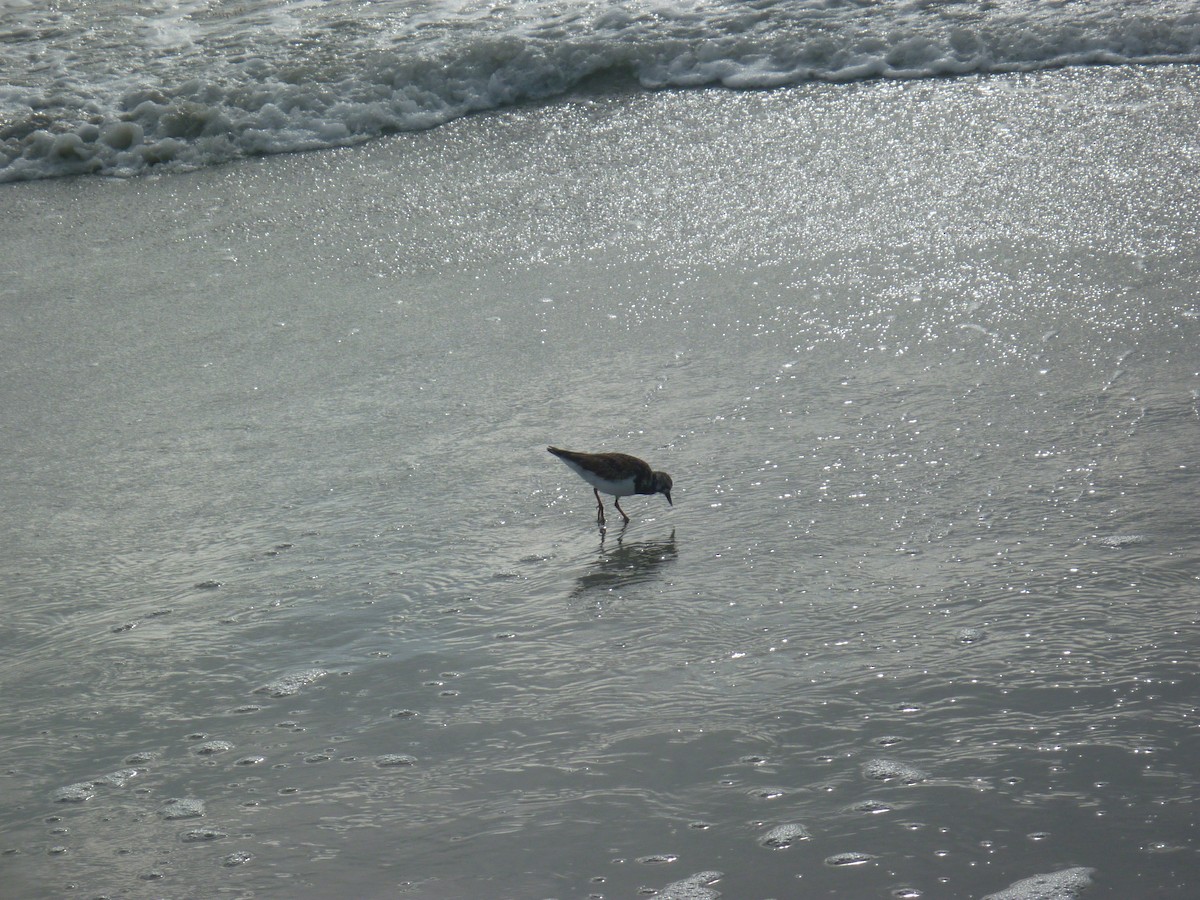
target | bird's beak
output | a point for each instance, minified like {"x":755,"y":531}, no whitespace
{"x":668,"y":496}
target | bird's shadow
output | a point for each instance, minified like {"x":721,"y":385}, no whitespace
{"x":625,"y":564}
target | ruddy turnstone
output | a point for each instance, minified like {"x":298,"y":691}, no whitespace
{"x":618,"y":474}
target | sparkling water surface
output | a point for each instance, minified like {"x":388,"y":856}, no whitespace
{"x":296,"y":604}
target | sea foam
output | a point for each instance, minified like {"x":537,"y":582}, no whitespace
{"x":117,"y":88}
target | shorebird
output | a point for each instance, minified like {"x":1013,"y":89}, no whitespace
{"x":618,"y":474}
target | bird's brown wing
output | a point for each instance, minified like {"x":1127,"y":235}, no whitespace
{"x":613,"y":466}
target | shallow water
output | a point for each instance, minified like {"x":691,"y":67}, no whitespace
{"x":920,"y":358}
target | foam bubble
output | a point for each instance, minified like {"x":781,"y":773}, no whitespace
{"x":694,"y":887}
{"x":121,"y":777}
{"x":871,"y":807}
{"x":291,"y":684}
{"x":211,"y":748}
{"x":658,"y":859}
{"x":783,"y":836}
{"x":892,"y":770}
{"x":201,"y":835}
{"x":75,"y":793}
{"x":1117,"y":541}
{"x":849,"y":858}
{"x":391,"y":760}
{"x":182,"y":808}
{"x":1063,"y":885}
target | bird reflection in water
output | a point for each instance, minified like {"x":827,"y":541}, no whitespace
{"x":626,"y":564}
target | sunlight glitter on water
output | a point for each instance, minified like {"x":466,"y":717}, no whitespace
{"x":917,"y":621}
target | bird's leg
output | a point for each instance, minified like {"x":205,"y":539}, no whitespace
{"x":600,"y":507}
{"x":617,"y":504}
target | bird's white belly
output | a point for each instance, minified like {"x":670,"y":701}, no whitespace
{"x":621,"y":488}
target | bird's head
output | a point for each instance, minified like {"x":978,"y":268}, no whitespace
{"x":662,"y":485}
